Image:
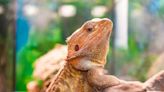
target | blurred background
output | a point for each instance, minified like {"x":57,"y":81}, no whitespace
{"x":31,"y":28}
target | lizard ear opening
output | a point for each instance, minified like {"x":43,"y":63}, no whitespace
{"x":77,"y":53}
{"x":76,"y":48}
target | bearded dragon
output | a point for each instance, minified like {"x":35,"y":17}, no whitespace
{"x":87,"y":51}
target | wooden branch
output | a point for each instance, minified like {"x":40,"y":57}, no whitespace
{"x":155,"y":83}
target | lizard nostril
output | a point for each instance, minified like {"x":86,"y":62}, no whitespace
{"x":76,"y":47}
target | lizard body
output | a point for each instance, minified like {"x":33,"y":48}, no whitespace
{"x":87,"y":50}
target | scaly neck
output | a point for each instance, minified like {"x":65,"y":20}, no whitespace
{"x":65,"y":76}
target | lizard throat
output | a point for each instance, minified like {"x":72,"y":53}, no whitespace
{"x":85,"y":64}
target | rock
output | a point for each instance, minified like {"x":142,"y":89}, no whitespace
{"x":48,"y":64}
{"x":46,"y":67}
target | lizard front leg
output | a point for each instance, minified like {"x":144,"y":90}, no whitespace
{"x":127,"y":86}
{"x":97,"y":77}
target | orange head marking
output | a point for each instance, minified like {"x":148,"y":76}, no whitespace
{"x":91,"y":40}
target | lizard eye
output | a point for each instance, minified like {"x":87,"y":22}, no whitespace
{"x":89,"y":29}
{"x":76,"y":47}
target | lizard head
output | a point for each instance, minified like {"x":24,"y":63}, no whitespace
{"x":89,"y":44}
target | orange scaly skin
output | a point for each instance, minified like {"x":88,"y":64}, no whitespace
{"x":87,"y":51}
